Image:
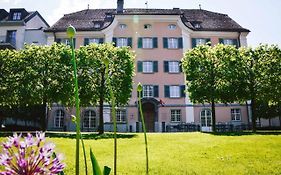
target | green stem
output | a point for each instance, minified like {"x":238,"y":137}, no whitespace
{"x":84,"y":153}
{"x":77,"y":108}
{"x":144,"y":130}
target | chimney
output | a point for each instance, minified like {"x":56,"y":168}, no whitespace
{"x":120,"y":5}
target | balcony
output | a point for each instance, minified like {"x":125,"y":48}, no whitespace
{"x":7,"y":44}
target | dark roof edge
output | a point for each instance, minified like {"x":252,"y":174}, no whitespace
{"x":34,"y":14}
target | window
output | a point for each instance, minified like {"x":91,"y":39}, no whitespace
{"x":172,"y":26}
{"x":147,"y":91}
{"x":90,"y":119}
{"x":122,"y":41}
{"x":229,"y":42}
{"x":147,"y":26}
{"x":148,"y":42}
{"x":11,"y":37}
{"x":147,"y":66}
{"x":199,"y":41}
{"x":97,"y":25}
{"x":174,"y":67}
{"x":175,"y":115}
{"x":92,"y":40}
{"x":121,"y":115}
{"x":59,"y":119}
{"x":174,"y":91}
{"x":236,"y":114}
{"x":17,"y":16}
{"x":122,"y":26}
{"x":197,"y":25}
{"x":172,"y":43}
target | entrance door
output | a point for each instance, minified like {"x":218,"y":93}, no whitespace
{"x":206,"y":120}
{"x":149,"y":116}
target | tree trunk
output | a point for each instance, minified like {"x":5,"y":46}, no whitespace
{"x":101,"y":100}
{"x":213,"y":116}
{"x":254,"y":125}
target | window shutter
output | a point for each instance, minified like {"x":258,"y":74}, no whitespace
{"x":155,"y":66}
{"x":182,"y":89}
{"x":180,"y":44}
{"x":130,"y":42}
{"x":139,"y":42}
{"x":180,"y":66}
{"x":101,"y":41}
{"x":86,"y":41}
{"x":155,"y":42}
{"x":165,"y":42}
{"x":114,"y":40}
{"x":167,"y":91}
{"x":58,"y":40}
{"x":166,"y":66}
{"x":139,"y":66}
{"x":221,"y":41}
{"x":156,"y":91}
{"x":74,"y":43}
{"x":235,"y":42}
{"x":193,"y":42}
{"x":208,"y":41}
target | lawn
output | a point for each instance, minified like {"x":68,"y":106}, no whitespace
{"x":182,"y":153}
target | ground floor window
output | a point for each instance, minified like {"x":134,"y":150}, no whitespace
{"x":90,"y":119}
{"x":206,"y":118}
{"x":175,"y":115}
{"x":236,"y":114}
{"x":59,"y":119}
{"x":121,"y":115}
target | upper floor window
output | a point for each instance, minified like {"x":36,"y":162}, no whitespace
{"x":97,"y":25}
{"x":172,"y":43}
{"x":93,"y":40}
{"x":172,"y":26}
{"x":175,"y":115}
{"x":147,"y":26}
{"x":17,"y":16}
{"x":174,"y":91}
{"x":11,"y":37}
{"x":65,"y":41}
{"x":147,"y":42}
{"x":199,"y":41}
{"x":172,"y":66}
{"x":122,"y":41}
{"x":122,"y":26}
{"x":150,"y":91}
{"x":228,"y":41}
{"x":236,"y":114}
{"x":147,"y":66}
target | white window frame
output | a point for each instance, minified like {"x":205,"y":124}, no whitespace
{"x":228,"y":42}
{"x":173,"y":43}
{"x":172,"y":26}
{"x":200,"y":41}
{"x":59,"y":119}
{"x":97,"y":25}
{"x":235,"y":114}
{"x":121,"y":42}
{"x":148,"y":91}
{"x":122,"y":26}
{"x":174,"y":66}
{"x":94,"y":40}
{"x":147,"y":43}
{"x":91,"y":117}
{"x":147,"y":26}
{"x":147,"y":67}
{"x":175,"y":115}
{"x":121,"y":115}
{"x":175,"y":91}
{"x":17,"y":16}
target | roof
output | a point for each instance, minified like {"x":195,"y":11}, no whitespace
{"x":26,"y":16}
{"x":89,"y":19}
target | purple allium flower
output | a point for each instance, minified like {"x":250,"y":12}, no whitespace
{"x":29,"y":156}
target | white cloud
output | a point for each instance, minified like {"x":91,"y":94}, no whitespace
{"x":12,"y":2}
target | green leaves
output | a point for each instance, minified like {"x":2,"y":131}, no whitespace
{"x":96,"y":167}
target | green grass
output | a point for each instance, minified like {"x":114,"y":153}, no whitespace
{"x":182,"y":153}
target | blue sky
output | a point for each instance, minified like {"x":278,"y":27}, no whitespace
{"x":262,"y":17}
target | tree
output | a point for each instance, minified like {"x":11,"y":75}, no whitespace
{"x":92,"y":78}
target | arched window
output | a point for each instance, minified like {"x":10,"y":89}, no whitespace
{"x":59,"y":119}
{"x":90,"y":119}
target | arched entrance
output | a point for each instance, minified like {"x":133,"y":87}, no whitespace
{"x":150,"y":113}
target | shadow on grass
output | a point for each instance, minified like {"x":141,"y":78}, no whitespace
{"x":244,"y":133}
{"x":72,"y":135}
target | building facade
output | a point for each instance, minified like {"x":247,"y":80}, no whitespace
{"x":19,"y":27}
{"x":159,"y":37}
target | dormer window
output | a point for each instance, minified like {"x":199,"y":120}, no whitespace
{"x":97,"y":25}
{"x":147,"y":26}
{"x":17,"y":16}
{"x":172,"y":26}
{"x":197,"y":25}
{"x":122,"y":26}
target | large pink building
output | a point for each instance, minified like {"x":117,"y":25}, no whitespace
{"x":159,"y":38}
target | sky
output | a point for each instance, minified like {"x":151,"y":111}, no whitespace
{"x":261,"y":17}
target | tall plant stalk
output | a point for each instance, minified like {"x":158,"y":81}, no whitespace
{"x":113,"y":113}
{"x":139,"y":89}
{"x":71,"y":33}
